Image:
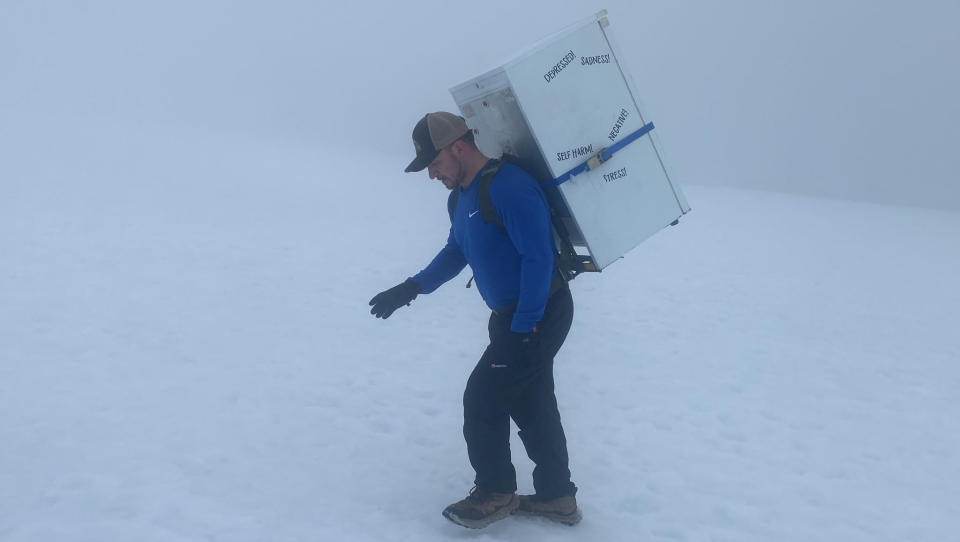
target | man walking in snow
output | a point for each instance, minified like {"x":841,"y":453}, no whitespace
{"x":500,"y":226}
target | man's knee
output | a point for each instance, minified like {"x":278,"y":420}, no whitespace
{"x":478,"y":396}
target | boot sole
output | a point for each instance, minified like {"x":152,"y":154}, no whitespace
{"x":503,"y":512}
{"x":567,"y":519}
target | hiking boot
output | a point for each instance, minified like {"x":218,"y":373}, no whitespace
{"x":481,"y":508}
{"x":562,"y":509}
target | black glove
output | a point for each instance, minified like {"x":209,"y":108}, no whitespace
{"x":390,"y":300}
{"x":514,"y":349}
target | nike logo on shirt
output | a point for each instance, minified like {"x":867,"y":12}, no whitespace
{"x":473,"y":213}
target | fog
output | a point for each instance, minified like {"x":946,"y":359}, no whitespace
{"x":852,"y":99}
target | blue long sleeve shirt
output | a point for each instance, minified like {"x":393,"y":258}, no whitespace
{"x":510,"y":268}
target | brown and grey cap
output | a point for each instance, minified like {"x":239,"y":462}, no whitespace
{"x":434,"y":132}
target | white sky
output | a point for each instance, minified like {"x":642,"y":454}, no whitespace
{"x":848,"y":98}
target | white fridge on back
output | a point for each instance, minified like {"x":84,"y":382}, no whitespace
{"x":565,"y":104}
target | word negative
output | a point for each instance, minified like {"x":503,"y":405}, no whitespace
{"x":615,"y":131}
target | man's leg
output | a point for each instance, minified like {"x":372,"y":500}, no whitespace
{"x":486,"y":423}
{"x":534,"y":405}
{"x":542,"y":434}
{"x":486,"y":427}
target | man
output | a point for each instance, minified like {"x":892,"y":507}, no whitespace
{"x":513,"y":265}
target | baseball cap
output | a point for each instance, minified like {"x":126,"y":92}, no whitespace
{"x":434,"y":132}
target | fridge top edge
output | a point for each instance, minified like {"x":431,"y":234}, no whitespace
{"x":501,"y":70}
{"x":552,"y":37}
{"x":487,"y":76}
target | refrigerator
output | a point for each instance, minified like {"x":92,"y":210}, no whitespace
{"x":564,"y":104}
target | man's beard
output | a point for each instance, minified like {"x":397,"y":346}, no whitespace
{"x":459,"y":177}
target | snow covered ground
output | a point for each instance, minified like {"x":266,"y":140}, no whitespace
{"x":186,"y":354}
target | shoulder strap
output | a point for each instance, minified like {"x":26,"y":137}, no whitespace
{"x":487,"y":211}
{"x":487,"y":174}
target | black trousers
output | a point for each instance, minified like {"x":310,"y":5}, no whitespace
{"x":525,"y":393}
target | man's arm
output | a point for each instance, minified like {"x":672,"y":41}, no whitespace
{"x":525,"y":214}
{"x":447,"y":264}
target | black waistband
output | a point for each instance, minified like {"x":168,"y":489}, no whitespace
{"x":556,"y":285}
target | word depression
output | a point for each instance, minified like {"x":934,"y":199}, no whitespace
{"x":559,"y":66}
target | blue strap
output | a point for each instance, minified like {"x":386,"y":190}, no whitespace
{"x":603,"y":155}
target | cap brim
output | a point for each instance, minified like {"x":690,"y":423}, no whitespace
{"x":420,"y":162}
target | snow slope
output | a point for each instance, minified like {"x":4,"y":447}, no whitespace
{"x":186,"y":354}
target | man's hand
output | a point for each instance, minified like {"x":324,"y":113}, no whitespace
{"x":390,"y":300}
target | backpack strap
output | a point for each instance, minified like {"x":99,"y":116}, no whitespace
{"x":558,"y":281}
{"x":490,"y":216}
{"x":487,"y":211}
